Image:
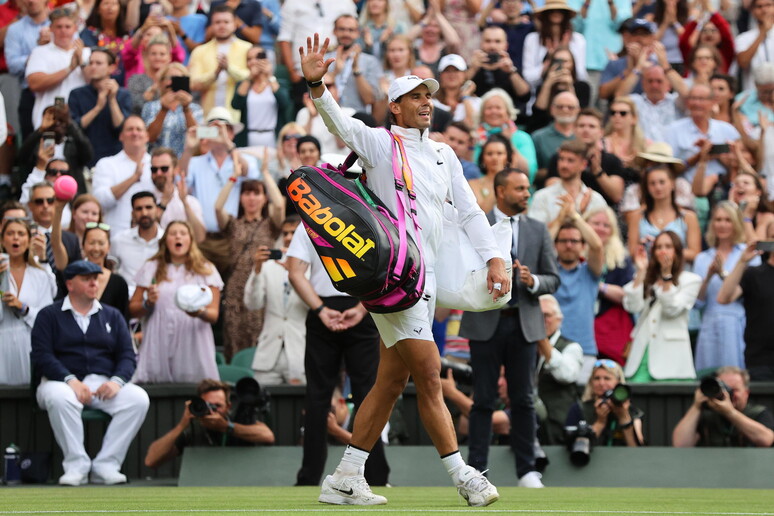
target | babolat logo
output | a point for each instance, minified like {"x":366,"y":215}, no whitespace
{"x":301,"y":194}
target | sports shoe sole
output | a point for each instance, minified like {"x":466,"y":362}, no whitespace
{"x":335,"y":499}
{"x":488,"y":501}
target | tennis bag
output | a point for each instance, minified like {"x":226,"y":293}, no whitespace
{"x":365,"y":249}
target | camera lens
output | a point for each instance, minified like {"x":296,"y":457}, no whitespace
{"x":711,"y":387}
{"x":580,"y":453}
{"x":198,"y":407}
{"x":621,"y":393}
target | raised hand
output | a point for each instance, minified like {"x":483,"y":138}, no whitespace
{"x":313,"y":62}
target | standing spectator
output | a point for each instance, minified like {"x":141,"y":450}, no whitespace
{"x":105,"y":28}
{"x":612,"y":324}
{"x":516,"y":26}
{"x":134,"y":52}
{"x":670,"y":17}
{"x":564,"y":111}
{"x":661,"y":294}
{"x":271,"y":28}
{"x":133,"y":246}
{"x":709,"y":30}
{"x":190,"y":27}
{"x":169,"y":118}
{"x":177,"y":346}
{"x":462,"y":16}
{"x":721,"y":336}
{"x":218,"y":65}
{"x":377,"y":26}
{"x":450,"y":96}
{"x":248,"y":18}
{"x":491,"y":67}
{"x":49,"y":170}
{"x":101,"y":106}
{"x":47,"y":77}
{"x":145,"y":87}
{"x":496,"y":155}
{"x":755,"y":284}
{"x":555,"y":22}
{"x":257,"y":224}
{"x":436,"y":39}
{"x":85,"y":209}
{"x":398,"y":59}
{"x":85,"y":364}
{"x":748,"y":194}
{"x":623,"y":135}
{"x":27,"y":287}
{"x":558,"y":75}
{"x":638,"y":37}
{"x":118,"y":177}
{"x":703,"y":62}
{"x":172,"y":193}
{"x":755,"y":46}
{"x":10,"y":89}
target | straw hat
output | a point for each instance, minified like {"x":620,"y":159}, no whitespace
{"x":660,"y":152}
{"x":555,"y":5}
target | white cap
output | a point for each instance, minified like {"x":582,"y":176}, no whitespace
{"x":221,"y":114}
{"x":452,"y":60}
{"x":192,"y":298}
{"x":407,"y":83}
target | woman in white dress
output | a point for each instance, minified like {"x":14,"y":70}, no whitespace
{"x":26,"y":288}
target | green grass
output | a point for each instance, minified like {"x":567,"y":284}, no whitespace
{"x":402,"y":500}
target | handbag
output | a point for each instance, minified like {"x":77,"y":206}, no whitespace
{"x":461,"y":273}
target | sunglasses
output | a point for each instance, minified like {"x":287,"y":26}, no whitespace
{"x":163,"y":168}
{"x":97,"y":225}
{"x":44,"y":200}
{"x":56,"y":171}
{"x":606,"y":362}
{"x":619,"y":113}
{"x":291,"y":137}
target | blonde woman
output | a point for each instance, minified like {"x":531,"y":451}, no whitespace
{"x":377,"y":26}
{"x":612,"y":324}
{"x":623,"y":136}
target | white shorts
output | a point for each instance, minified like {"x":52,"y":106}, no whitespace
{"x":413,"y":323}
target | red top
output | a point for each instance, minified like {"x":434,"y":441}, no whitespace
{"x":726,"y":46}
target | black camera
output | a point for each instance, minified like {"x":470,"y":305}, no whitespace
{"x":712,"y":387}
{"x":200,"y":408}
{"x":252,"y":402}
{"x":492,"y":57}
{"x":579,"y":441}
{"x":462,"y":373}
{"x":618,"y":394}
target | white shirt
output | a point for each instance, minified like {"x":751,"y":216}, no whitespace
{"x":328,"y":143}
{"x":655,"y":117}
{"x":301,"y":248}
{"x":108,"y":173}
{"x":545,"y":208}
{"x":81,"y":319}
{"x":35,"y":177}
{"x":565,"y":366}
{"x":534,"y":52}
{"x":764,"y":54}
{"x":132,"y":252}
{"x":49,"y":59}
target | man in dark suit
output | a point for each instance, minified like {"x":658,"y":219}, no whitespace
{"x":508,"y":336}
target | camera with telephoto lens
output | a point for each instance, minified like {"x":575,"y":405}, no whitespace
{"x":251,"y":401}
{"x":579,"y":441}
{"x":713,"y":388}
{"x":200,"y":408}
{"x":462,"y":373}
{"x":619,"y":394}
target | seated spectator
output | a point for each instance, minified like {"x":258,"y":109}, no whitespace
{"x":27,"y":287}
{"x":12,"y":210}
{"x":496,"y":155}
{"x":433,"y":37}
{"x":106,"y":28}
{"x":755,"y":284}
{"x":750,"y":197}
{"x":612,"y":424}
{"x":172,"y":192}
{"x":497,"y":115}
{"x":623,"y":135}
{"x":169,"y":117}
{"x":85,"y":208}
{"x":118,"y":177}
{"x":78,"y":371}
{"x":177,"y":346}
{"x":279,"y":354}
{"x":310,"y":122}
{"x":560,"y":361}
{"x":55,"y":69}
{"x":215,"y":428}
{"x":134,"y":246}
{"x":558,"y":75}
{"x":724,"y":89}
{"x":263,"y":106}
{"x":450,"y":96}
{"x":711,"y":30}
{"x":612,"y":324}
{"x":491,"y":67}
{"x":564,"y":111}
{"x":656,"y":105}
{"x":46,"y":170}
{"x":134,"y":51}
{"x":637,"y":35}
{"x":721,"y":336}
{"x":101,"y":106}
{"x":661,"y":295}
{"x":752,"y":47}
{"x":308,"y":149}
{"x":69,"y":143}
{"x":257,"y":224}
{"x":512,"y":18}
{"x":729,"y":420}
{"x":146,"y":87}
{"x":397,"y":61}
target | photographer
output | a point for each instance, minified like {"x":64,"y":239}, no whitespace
{"x":214,"y":428}
{"x":726,"y":419}
{"x":614,"y":421}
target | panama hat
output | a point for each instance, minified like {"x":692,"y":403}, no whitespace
{"x":660,"y":152}
{"x":555,"y":5}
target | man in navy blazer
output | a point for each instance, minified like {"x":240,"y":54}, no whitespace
{"x":83,"y":353}
{"x":508,"y":336}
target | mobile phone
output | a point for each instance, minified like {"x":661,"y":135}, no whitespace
{"x":59,"y":101}
{"x":492,"y":57}
{"x":156,"y":10}
{"x":557,"y":63}
{"x":766,"y":246}
{"x":206,"y":132}
{"x":181,"y":84}
{"x":33,"y":228}
{"x":49,"y":139}
{"x":719,"y":148}
{"x":275,"y":254}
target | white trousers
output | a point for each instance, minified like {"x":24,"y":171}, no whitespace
{"x":127,"y":408}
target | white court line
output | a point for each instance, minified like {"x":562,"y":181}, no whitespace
{"x":385,"y":509}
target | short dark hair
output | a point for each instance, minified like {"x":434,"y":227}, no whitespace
{"x":210,"y":385}
{"x":110,"y":55}
{"x":345,"y":15}
{"x":10,"y":205}
{"x":575,"y":146}
{"x":590,"y":111}
{"x":142,"y":195}
{"x":308,"y":139}
{"x":502,"y":176}
{"x":569,"y":225}
{"x":55,"y":160}
{"x":221,"y":8}
{"x":462,"y":126}
{"x":160,"y":151}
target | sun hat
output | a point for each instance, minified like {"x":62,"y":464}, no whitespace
{"x":555,"y":5}
{"x":660,"y":152}
{"x":221,"y":114}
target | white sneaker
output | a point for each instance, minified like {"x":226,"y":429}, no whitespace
{"x":348,"y":490}
{"x":531,"y":479}
{"x":72,"y":479}
{"x":474,"y":487}
{"x":108,"y":478}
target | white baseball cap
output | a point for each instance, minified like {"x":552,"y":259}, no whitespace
{"x":407,"y":83}
{"x":452,"y":60}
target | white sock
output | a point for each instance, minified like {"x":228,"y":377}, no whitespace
{"x":453,"y":463}
{"x":353,"y":461}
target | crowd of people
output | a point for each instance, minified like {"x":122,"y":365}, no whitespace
{"x":630,"y":144}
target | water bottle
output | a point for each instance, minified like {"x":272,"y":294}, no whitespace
{"x":12,"y":471}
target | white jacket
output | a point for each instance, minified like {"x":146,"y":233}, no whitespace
{"x":284,"y":319}
{"x":662,"y":328}
{"x":436,"y":169}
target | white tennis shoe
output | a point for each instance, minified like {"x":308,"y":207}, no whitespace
{"x":348,"y":490}
{"x":474,"y":487}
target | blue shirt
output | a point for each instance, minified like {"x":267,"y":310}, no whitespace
{"x":174,"y":127}
{"x":515,"y":34}
{"x":683,"y":134}
{"x":101,"y":132}
{"x":271,"y":26}
{"x":194,"y":26}
{"x":577,"y":294}
{"x":20,"y":39}
{"x":249,"y":11}
{"x":469,"y":169}
{"x":617,"y":68}
{"x":206,"y":181}
{"x":600,"y":31}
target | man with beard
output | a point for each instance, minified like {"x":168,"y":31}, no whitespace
{"x":508,"y":336}
{"x":564,"y":111}
{"x":135,"y":245}
{"x":174,"y":201}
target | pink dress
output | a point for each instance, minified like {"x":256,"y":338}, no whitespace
{"x":175,"y":346}
{"x":133,"y":63}
{"x":466,"y":26}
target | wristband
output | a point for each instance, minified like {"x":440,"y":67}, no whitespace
{"x":314,"y":84}
{"x":357,"y":74}
{"x":162,"y":205}
{"x":230,"y":429}
{"x":747,"y":219}
{"x":233,"y":179}
{"x":627,"y":425}
{"x":319,"y":309}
